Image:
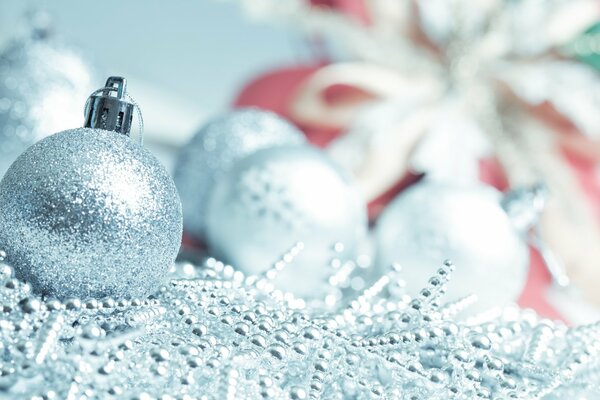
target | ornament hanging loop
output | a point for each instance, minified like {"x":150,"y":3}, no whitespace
{"x":111,"y":108}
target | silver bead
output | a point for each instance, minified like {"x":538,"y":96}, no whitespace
{"x":30,"y":305}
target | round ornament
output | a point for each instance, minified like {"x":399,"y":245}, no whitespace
{"x":277,"y":197}
{"x":433,"y":221}
{"x":216,"y":148}
{"x":88,"y":212}
{"x":41,"y":91}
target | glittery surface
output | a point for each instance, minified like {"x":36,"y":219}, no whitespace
{"x":432,"y":221}
{"x":276,"y":197}
{"x":42,"y":88}
{"x":214,"y":150}
{"x":213,"y":333}
{"x":89,"y":213}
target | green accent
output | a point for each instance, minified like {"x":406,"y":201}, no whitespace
{"x":586,"y":47}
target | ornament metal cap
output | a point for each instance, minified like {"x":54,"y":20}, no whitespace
{"x":524,"y":205}
{"x":108,"y":109}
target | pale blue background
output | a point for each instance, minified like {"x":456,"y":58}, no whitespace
{"x":194,"y":54}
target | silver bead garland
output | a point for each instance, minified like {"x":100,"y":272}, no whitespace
{"x":214,"y":333}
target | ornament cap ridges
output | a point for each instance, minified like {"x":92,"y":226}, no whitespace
{"x":108,"y":109}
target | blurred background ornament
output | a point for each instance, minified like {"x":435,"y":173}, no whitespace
{"x":506,"y":69}
{"x":87,"y":212}
{"x":277,"y":197}
{"x":433,"y":220}
{"x":42,"y":88}
{"x":216,"y":148}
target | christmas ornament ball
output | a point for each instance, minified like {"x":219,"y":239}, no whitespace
{"x":89,"y":213}
{"x":277,"y":197}
{"x":43,"y":86}
{"x":433,"y":221}
{"x":216,"y":148}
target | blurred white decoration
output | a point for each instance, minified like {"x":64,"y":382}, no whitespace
{"x":279,"y":196}
{"x":216,"y":148}
{"x":432,"y":220}
{"x":571,"y":87}
{"x":497,"y":60}
{"x":374,"y":156}
{"x":310,"y":107}
{"x":42,"y":89}
{"x":472,"y":49}
{"x":452,"y":146}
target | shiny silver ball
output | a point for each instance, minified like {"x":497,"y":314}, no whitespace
{"x":42,"y":88}
{"x":280,"y":196}
{"x":216,"y":148}
{"x":89,"y":213}
{"x":433,"y":221}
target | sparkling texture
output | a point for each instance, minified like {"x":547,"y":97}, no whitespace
{"x":216,"y":148}
{"x":89,"y":213}
{"x":434,"y":220}
{"x":213,"y":333}
{"x":42,"y":87}
{"x":276,"y":197}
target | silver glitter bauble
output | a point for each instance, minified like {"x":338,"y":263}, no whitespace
{"x":42,"y":87}
{"x":89,"y":213}
{"x":216,"y":148}
{"x":433,"y":221}
{"x":277,"y":197}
